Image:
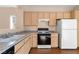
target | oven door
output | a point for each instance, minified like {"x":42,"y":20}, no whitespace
{"x":44,"y":39}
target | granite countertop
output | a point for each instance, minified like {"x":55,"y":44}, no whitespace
{"x":4,"y":45}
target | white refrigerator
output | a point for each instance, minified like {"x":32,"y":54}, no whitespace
{"x":67,"y":30}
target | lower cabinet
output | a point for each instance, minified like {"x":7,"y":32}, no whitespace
{"x":25,"y":47}
{"x":19,"y":46}
{"x":34,"y":40}
{"x":54,"y":40}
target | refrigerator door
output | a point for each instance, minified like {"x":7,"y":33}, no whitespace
{"x":69,"y":24}
{"x":68,"y":39}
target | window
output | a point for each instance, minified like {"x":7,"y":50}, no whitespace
{"x":12,"y":22}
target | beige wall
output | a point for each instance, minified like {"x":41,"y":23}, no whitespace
{"x":5,"y":14}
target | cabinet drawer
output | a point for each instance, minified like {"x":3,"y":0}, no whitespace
{"x":19,"y":45}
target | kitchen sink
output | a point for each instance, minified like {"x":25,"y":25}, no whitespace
{"x":5,"y":40}
{"x":12,"y":38}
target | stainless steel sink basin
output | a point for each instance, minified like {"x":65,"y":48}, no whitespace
{"x":13,"y":38}
{"x":18,"y":36}
{"x":5,"y":40}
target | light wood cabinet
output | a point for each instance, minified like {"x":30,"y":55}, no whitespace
{"x":19,"y":45}
{"x":28,"y":44}
{"x":67,"y":15}
{"x":21,"y":50}
{"x":60,"y":15}
{"x":31,"y":18}
{"x":34,"y":18}
{"x":34,"y":40}
{"x":24,"y":46}
{"x":52,"y":19}
{"x":46,"y":15}
{"x":27,"y":18}
{"x":54,"y":40}
{"x":40,"y":15}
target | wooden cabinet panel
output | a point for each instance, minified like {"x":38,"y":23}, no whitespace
{"x":46,"y":15}
{"x":27,"y":18}
{"x":21,"y":50}
{"x":28,"y":44}
{"x":34,"y":18}
{"x":24,"y":46}
{"x":67,"y":15}
{"x":34,"y":40}
{"x":52,"y":20}
{"x":19,"y":45}
{"x":54,"y":40}
{"x":76,"y":14}
{"x":40,"y":15}
{"x":60,"y":15}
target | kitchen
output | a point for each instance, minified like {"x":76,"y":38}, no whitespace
{"x":30,"y":29}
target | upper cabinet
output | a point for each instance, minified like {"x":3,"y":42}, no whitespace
{"x":46,"y":15}
{"x":67,"y":15}
{"x":60,"y":15}
{"x":52,"y":20}
{"x":76,"y":14}
{"x":43,"y":15}
{"x":34,"y":18}
{"x":27,"y":18}
{"x":40,"y":15}
{"x":31,"y":18}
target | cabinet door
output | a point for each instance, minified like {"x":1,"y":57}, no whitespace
{"x":34,"y":18}
{"x":40,"y":15}
{"x":27,"y":18}
{"x":28,"y":44}
{"x":76,"y":14}
{"x":34,"y":40}
{"x":52,"y":20}
{"x":60,"y":15}
{"x":54,"y":40}
{"x":21,"y":50}
{"x":46,"y":15}
{"x":67,"y":15}
{"x":19,"y":45}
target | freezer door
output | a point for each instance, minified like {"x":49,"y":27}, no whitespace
{"x":69,"y":24}
{"x":69,"y":39}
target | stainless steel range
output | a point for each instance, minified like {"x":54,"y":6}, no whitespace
{"x":44,"y":38}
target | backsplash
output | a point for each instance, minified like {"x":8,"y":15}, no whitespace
{"x":34,"y":28}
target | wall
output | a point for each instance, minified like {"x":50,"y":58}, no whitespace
{"x":5,"y":13}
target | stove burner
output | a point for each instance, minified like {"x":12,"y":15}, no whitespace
{"x":43,"y":31}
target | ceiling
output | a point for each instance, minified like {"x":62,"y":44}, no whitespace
{"x":44,"y":7}
{"x":48,"y":7}
{"x":8,"y":6}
